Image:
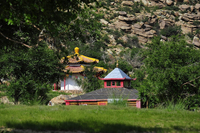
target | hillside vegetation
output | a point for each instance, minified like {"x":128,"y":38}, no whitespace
{"x":155,"y":41}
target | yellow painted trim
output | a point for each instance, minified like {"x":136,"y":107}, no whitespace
{"x":77,"y":71}
{"x":93,"y":59}
{"x":105,"y":70}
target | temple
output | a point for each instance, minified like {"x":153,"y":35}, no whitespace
{"x":74,"y":70}
{"x":116,"y":87}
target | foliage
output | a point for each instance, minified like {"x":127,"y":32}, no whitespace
{"x":196,"y":23}
{"x":27,"y":91}
{"x":176,"y":18}
{"x":106,"y":38}
{"x":145,"y":19}
{"x":30,"y":72}
{"x":91,"y":82}
{"x":25,"y":37}
{"x":174,"y":8}
{"x":136,"y":8}
{"x":118,"y":100}
{"x":170,"y":71}
{"x":171,"y":30}
{"x":173,"y":105}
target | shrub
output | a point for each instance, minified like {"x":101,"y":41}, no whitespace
{"x":190,"y":35}
{"x":118,"y":101}
{"x":196,"y":23}
{"x":176,"y":18}
{"x":145,"y":19}
{"x":106,"y":38}
{"x":175,"y":8}
{"x":171,"y":30}
{"x":173,"y":105}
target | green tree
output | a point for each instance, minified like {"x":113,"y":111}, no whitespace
{"x":29,"y":71}
{"x":90,"y":82}
{"x":170,"y":72}
{"x":26,"y":28}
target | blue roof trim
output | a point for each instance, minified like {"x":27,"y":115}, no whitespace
{"x":117,"y":73}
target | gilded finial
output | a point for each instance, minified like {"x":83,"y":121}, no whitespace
{"x":76,"y":50}
{"x":117,"y":64}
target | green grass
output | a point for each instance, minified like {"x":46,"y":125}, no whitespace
{"x":98,"y":119}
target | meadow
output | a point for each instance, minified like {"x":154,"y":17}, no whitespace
{"x":109,"y":119}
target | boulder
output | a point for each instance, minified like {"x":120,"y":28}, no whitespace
{"x":128,"y":19}
{"x":127,"y":3}
{"x":103,"y":21}
{"x":5,"y":100}
{"x":59,"y":99}
{"x":184,"y":27}
{"x":117,"y":50}
{"x":125,"y":28}
{"x":142,"y":39}
{"x":165,"y":23}
{"x":137,"y":26}
{"x":119,"y":24}
{"x":191,"y":8}
{"x":184,"y":7}
{"x":122,"y":13}
{"x":169,"y":2}
{"x":196,"y":41}
{"x":112,"y":40}
{"x":197,"y":6}
{"x":186,"y":1}
{"x":162,"y":24}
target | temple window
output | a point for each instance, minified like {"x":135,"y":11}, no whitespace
{"x":113,"y":83}
{"x":126,"y":84}
{"x":118,"y":83}
{"x":108,"y":83}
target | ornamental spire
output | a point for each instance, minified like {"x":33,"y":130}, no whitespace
{"x":76,"y":50}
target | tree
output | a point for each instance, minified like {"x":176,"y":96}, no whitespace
{"x":170,"y":72}
{"x":22,"y":21}
{"x":26,"y":31}
{"x":90,"y":82}
{"x":29,"y":71}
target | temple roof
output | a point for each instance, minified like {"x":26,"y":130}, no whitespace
{"x":77,"y":58}
{"x":109,"y":93}
{"x":81,"y":68}
{"x":117,"y":73}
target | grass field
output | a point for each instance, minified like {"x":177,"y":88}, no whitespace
{"x":109,"y":119}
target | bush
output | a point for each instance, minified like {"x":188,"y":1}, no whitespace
{"x":175,"y":8}
{"x":133,"y":41}
{"x":118,"y":101}
{"x":196,"y":23}
{"x":176,"y":18}
{"x":171,"y":30}
{"x":28,"y":91}
{"x":173,"y":105}
{"x":106,"y":38}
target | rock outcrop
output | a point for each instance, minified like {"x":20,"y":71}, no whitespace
{"x":60,"y":99}
{"x":5,"y":100}
{"x":196,"y":41}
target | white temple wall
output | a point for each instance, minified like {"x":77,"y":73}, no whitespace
{"x":70,"y":82}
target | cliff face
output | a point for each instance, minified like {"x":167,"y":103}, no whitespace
{"x":131,"y":24}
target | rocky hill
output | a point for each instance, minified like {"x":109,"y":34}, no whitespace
{"x":133,"y":23}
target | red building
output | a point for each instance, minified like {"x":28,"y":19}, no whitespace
{"x":116,"y":87}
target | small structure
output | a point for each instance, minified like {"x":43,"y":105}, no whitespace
{"x":116,"y":87}
{"x":75,"y":68}
{"x":117,"y":79}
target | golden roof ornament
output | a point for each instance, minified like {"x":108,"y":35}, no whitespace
{"x":76,"y":50}
{"x":117,"y":64}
